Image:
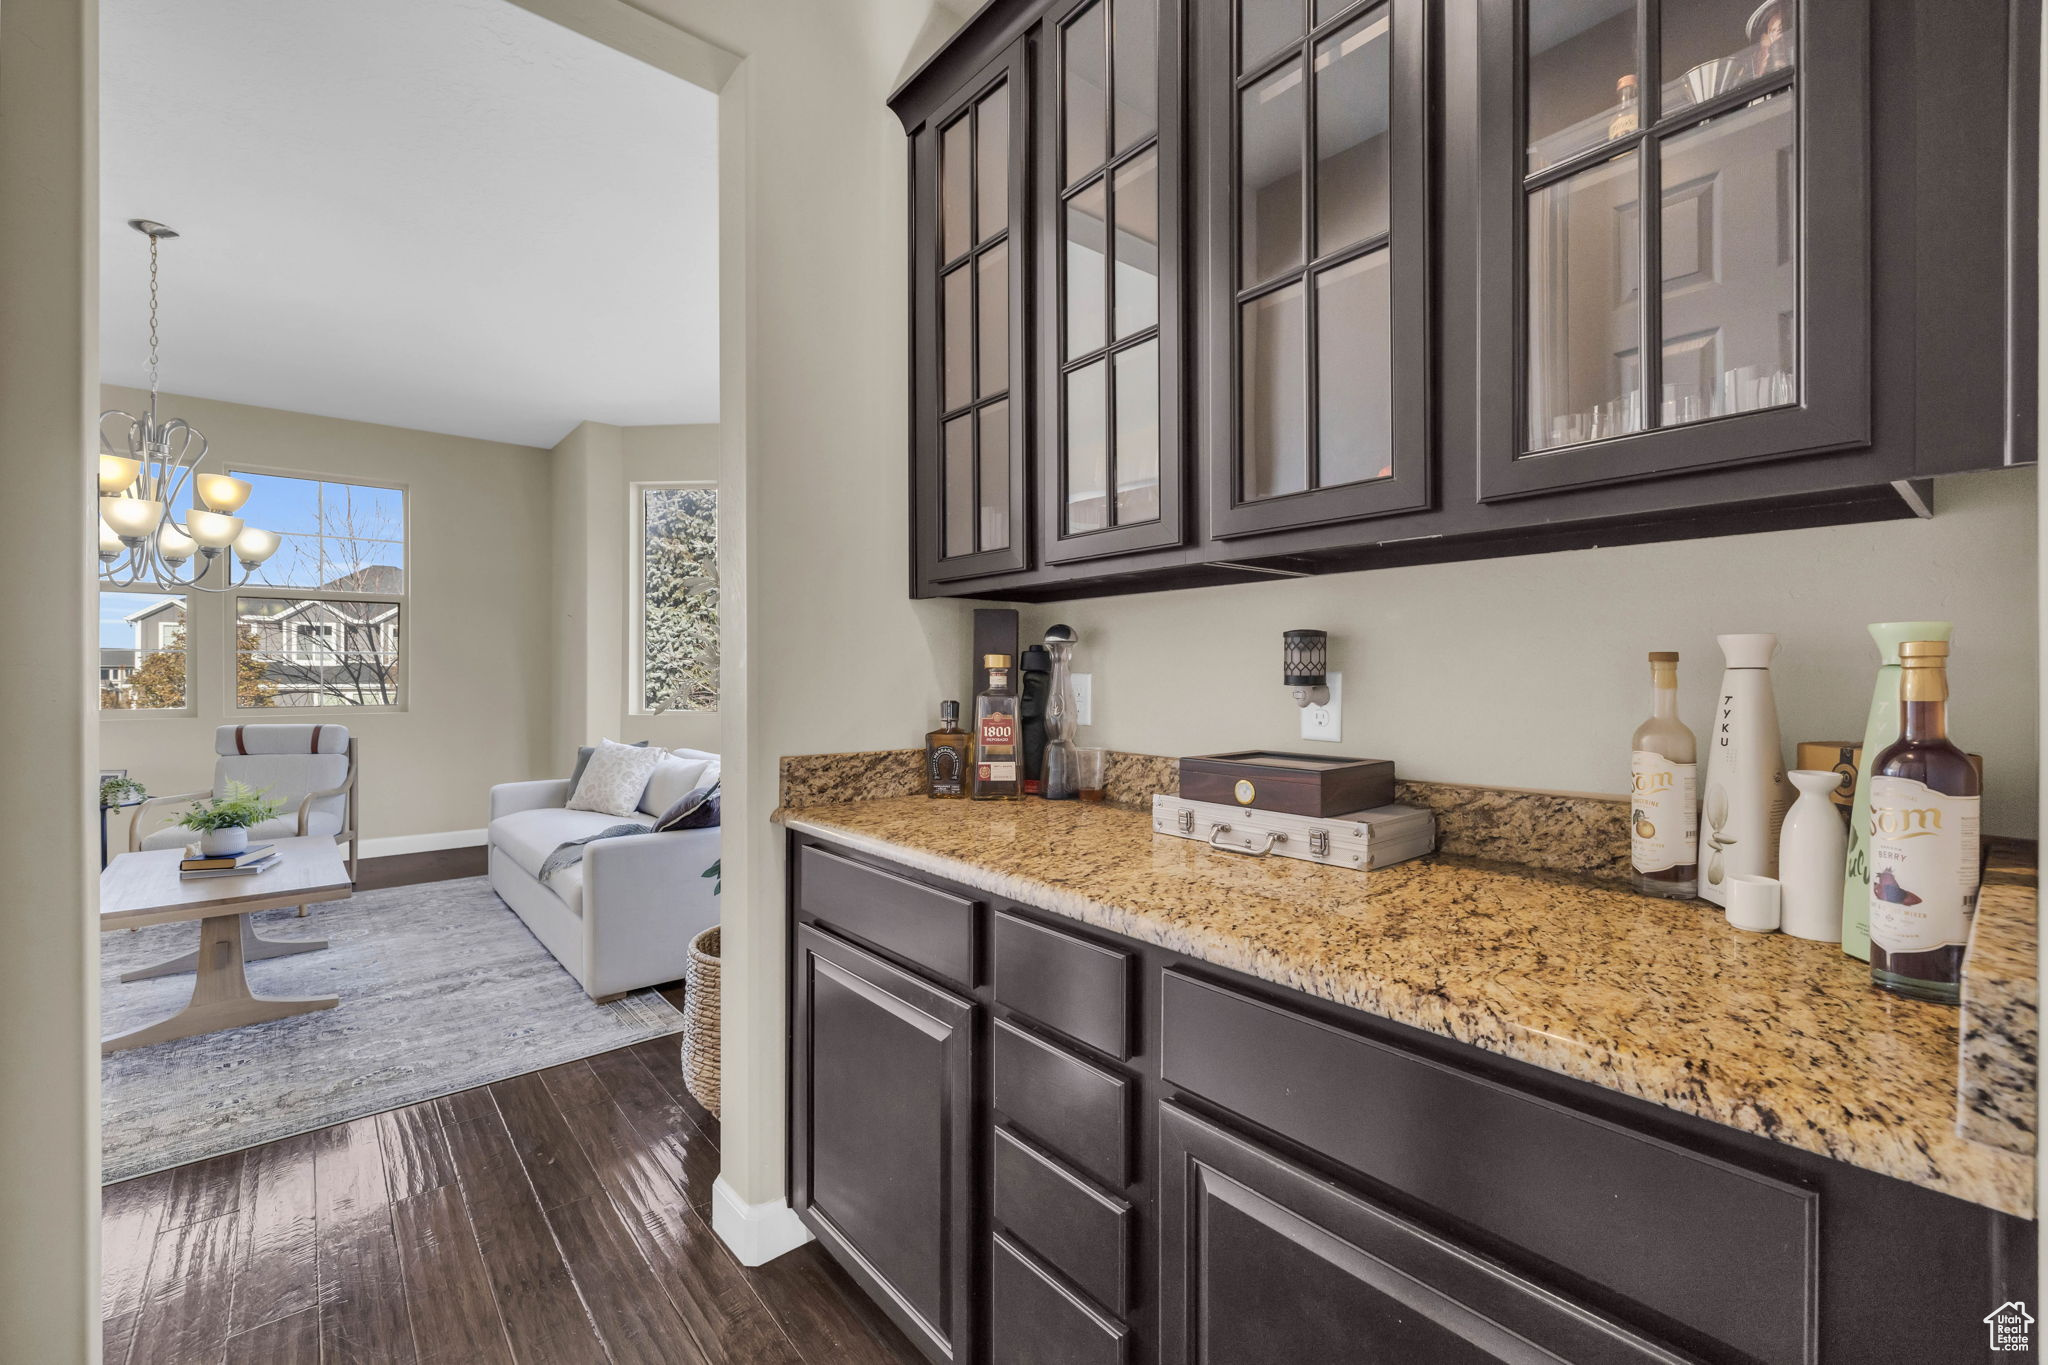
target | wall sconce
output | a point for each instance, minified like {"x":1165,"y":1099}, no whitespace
{"x":1306,"y":666}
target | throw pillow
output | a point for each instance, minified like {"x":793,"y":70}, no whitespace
{"x":698,"y":810}
{"x":677,"y":775}
{"x":614,"y":779}
{"x":583,"y":754}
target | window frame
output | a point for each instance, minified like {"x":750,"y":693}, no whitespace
{"x":636,"y":636}
{"x":402,"y":599}
{"x":191,"y":706}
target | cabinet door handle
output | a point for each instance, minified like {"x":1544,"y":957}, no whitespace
{"x":1272,"y":837}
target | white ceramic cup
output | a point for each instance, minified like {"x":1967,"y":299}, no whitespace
{"x":1753,"y":903}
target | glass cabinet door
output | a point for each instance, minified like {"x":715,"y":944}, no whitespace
{"x":1111,"y":290}
{"x":1319,"y":273}
{"x":971,"y":354}
{"x":1646,"y":343}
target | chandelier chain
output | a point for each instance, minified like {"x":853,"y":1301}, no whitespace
{"x":152,"y":319}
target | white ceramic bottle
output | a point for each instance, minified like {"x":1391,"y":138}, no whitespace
{"x":1744,"y":797}
{"x":1812,"y":849}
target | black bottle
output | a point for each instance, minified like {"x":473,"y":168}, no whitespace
{"x":1036,"y":670}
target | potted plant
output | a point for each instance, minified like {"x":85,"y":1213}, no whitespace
{"x":222,"y":822}
{"x":120,"y":790}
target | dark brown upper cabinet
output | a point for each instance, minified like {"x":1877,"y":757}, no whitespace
{"x":970,"y":272}
{"x":1110,"y":158}
{"x":1306,"y":286}
{"x":1749,"y":126}
{"x":1316,"y":257}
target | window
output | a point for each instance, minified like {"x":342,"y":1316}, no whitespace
{"x":142,"y":652}
{"x":677,"y":537}
{"x":318,"y":624}
{"x":336,"y":536}
{"x":315,"y":651}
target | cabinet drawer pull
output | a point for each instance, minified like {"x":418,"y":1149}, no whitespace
{"x":1272,"y":837}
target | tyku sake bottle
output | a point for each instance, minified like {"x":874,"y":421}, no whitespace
{"x":1663,"y":818}
{"x":1925,"y":858}
{"x":1744,"y":798}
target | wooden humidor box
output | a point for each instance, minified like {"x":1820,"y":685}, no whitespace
{"x":1297,"y":784}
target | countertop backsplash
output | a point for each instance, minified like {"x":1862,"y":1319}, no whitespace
{"x":1559,"y":832}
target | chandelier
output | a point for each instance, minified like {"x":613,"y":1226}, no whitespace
{"x":146,"y":465}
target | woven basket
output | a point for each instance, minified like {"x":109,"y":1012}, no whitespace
{"x":700,"y":1020}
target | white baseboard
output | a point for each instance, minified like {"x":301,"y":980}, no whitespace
{"x":421,"y":843}
{"x":756,"y":1233}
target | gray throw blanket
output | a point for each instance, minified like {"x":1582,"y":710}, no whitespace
{"x":571,"y":853}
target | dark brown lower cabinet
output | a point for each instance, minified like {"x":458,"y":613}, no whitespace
{"x":882,"y":1134}
{"x":1261,"y":1261}
{"x":1183,"y":1166}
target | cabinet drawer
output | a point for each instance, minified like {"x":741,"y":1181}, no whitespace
{"x":921,"y":925}
{"x":1726,"y":1251}
{"x":1068,"y":984}
{"x":1073,"y":1107}
{"x":1080,"y":1231}
{"x":1035,"y":1320}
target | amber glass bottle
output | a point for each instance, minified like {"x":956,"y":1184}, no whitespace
{"x":1925,"y":856}
{"x":998,"y":736}
{"x":945,"y":755}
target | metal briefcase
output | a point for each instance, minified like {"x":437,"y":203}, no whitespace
{"x":1361,"y":839}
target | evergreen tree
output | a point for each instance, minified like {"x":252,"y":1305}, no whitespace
{"x":679,"y":634}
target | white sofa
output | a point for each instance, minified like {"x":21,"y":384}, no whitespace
{"x":620,"y":920}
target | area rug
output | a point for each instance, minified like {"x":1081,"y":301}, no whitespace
{"x":442,"y":988}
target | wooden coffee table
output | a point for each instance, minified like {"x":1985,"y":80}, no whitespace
{"x":138,"y":889}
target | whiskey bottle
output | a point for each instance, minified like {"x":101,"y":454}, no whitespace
{"x":1925,"y":860}
{"x":1663,"y":843}
{"x":945,"y":755}
{"x":998,"y":738}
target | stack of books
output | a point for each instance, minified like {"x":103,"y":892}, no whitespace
{"x":195,"y":866}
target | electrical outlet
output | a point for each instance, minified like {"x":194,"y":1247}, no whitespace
{"x":1326,"y":722}
{"x":1084,"y":698}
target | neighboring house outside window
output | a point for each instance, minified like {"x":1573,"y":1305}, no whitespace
{"x":676,"y":602}
{"x":320,"y":624}
{"x":142,"y":664}
{"x":142,"y":652}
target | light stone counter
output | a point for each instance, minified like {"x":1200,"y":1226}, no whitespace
{"x":1652,"y":998}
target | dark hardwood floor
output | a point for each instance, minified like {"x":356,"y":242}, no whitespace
{"x":557,"y":1218}
{"x":406,"y":869}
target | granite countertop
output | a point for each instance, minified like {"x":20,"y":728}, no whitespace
{"x":1657,"y":999}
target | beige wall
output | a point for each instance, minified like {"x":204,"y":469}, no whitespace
{"x":593,"y":474}
{"x":1529,"y":672}
{"x":474,"y":636}
{"x":822,"y":647}
{"x":49,"y":978}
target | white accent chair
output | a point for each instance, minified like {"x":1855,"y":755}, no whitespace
{"x":310,"y":768}
{"x":621,"y":919}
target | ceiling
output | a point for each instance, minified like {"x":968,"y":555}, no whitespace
{"x":450,"y":215}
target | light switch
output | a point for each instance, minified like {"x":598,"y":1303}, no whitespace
{"x":1326,"y":722}
{"x":1084,"y":698}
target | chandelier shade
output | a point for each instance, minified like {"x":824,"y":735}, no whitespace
{"x":222,"y":493}
{"x":132,"y":518}
{"x":145,"y":465}
{"x":253,"y":546}
{"x":173,"y":546}
{"x":117,"y":472}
